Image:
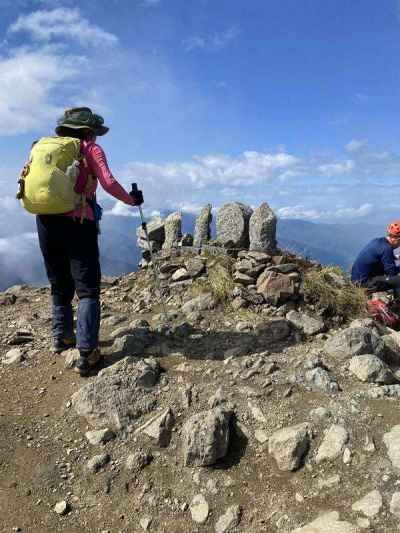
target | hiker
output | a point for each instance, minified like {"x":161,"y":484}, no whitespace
{"x":59,"y":184}
{"x":375,"y":266}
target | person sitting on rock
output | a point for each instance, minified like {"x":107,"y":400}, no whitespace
{"x":375,"y":266}
{"x":69,"y":243}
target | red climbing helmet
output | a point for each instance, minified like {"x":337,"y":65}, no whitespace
{"x":393,"y":229}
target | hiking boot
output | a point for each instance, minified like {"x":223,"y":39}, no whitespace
{"x":60,"y":345}
{"x":88,"y":361}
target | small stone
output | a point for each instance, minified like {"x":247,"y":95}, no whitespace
{"x":261,"y":436}
{"x":395,"y":504}
{"x":100,"y":436}
{"x":138,"y":460}
{"x":328,"y":523}
{"x":392,"y":442}
{"x":71,"y":357}
{"x":333,"y":443}
{"x":257,"y":413}
{"x":199,"y":509}
{"x":289,"y":445}
{"x":13,"y":356}
{"x":61,"y":508}
{"x":180,"y":275}
{"x":329,"y":482}
{"x":370,"y":505}
{"x":363,"y":523}
{"x":347,"y":456}
{"x":97,"y":462}
{"x":229,"y":520}
{"x":145,"y":523}
{"x":160,"y":427}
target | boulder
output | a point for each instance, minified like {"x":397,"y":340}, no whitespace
{"x":371,"y":369}
{"x":205,"y":437}
{"x":203,"y":302}
{"x":233,"y":225}
{"x":334,"y":441}
{"x":120,"y":394}
{"x":328,"y":523}
{"x":354,"y":341}
{"x":392,"y":443}
{"x":289,"y":445}
{"x":202,"y":232}
{"x":160,"y":427}
{"x":305,"y":323}
{"x":131,"y":345}
{"x":173,"y":230}
{"x":262,"y":229}
{"x":277,"y":288}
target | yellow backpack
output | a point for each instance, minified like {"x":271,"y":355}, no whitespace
{"x":46,"y":184}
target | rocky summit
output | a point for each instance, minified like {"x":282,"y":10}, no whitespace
{"x":246,"y":393}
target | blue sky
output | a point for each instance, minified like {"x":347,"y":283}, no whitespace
{"x":293,"y":102}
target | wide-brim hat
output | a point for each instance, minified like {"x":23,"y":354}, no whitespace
{"x":79,"y":118}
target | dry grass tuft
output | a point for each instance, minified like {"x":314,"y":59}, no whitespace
{"x":330,"y":287}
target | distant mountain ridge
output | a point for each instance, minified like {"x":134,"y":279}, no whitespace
{"x":21,"y":261}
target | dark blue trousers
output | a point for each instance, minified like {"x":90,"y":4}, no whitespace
{"x":71,"y":256}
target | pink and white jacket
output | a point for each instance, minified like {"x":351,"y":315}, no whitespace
{"x":97,"y":166}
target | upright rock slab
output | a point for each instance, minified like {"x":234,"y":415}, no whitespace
{"x":289,"y":445}
{"x":262,"y":229}
{"x":173,"y":230}
{"x":206,"y":437}
{"x":160,"y":427}
{"x":202,"y":232}
{"x":233,"y":225}
{"x":120,"y":395}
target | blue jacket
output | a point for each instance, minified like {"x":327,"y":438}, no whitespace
{"x":375,"y":259}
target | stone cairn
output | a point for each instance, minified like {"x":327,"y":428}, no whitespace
{"x":260,"y":273}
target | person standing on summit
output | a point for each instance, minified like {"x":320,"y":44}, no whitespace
{"x":375,"y":267}
{"x":58,"y":184}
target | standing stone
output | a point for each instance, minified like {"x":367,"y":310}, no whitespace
{"x":233,"y":225}
{"x":262,"y":229}
{"x":202,"y":232}
{"x":206,"y":437}
{"x":333,"y":444}
{"x":289,"y":445}
{"x":173,"y":230}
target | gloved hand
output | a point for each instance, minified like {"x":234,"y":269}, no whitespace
{"x":136,"y":195}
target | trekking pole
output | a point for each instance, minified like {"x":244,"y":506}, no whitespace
{"x":154,"y":268}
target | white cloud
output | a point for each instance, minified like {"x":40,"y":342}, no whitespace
{"x":45,"y":25}
{"x":337,"y":168}
{"x":356,"y":144}
{"x":341,"y":213}
{"x":215,"y":41}
{"x":122,"y":210}
{"x":28,"y":79}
